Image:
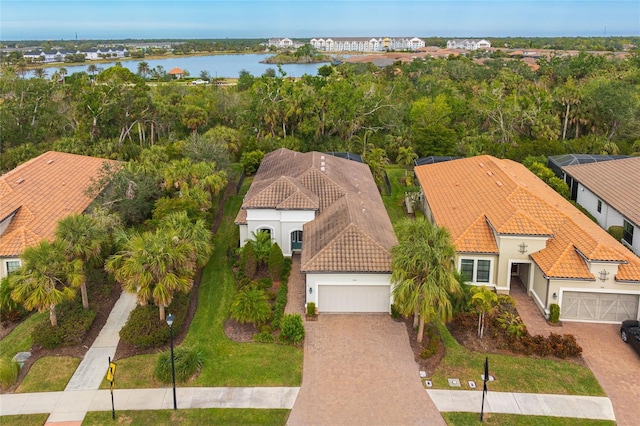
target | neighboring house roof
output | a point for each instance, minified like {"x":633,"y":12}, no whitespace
{"x":351,"y":231}
{"x":37,"y":194}
{"x":615,"y":182}
{"x":475,"y":198}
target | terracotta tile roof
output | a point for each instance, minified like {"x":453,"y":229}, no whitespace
{"x":351,"y":232}
{"x":39,"y":193}
{"x":615,"y":182}
{"x":465,"y":193}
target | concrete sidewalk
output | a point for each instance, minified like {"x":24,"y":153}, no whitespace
{"x":528,"y":404}
{"x":94,"y":365}
{"x":72,"y":406}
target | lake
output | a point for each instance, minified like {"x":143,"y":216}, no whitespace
{"x":225,"y":66}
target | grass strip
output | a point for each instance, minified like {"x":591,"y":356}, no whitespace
{"x":464,"y":419}
{"x":197,"y":416}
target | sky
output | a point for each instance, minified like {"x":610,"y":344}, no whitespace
{"x":164,"y":19}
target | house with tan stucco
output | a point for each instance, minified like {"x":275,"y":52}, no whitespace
{"x":509,"y":228}
{"x":329,"y":211}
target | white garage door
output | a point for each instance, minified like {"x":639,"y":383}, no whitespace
{"x":351,"y":298}
{"x":598,"y":306}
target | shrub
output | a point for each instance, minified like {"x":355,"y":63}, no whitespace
{"x":564,"y":346}
{"x":73,"y":324}
{"x":554,"y":313}
{"x":263,"y":338}
{"x":144,"y":329}
{"x":276,"y":262}
{"x":311,"y":309}
{"x":187,"y":361}
{"x":395,"y":313}
{"x":8,"y":373}
{"x":264,"y":283}
{"x":278,"y":307}
{"x":249,"y":262}
{"x":616,"y":232}
{"x":434,"y":343}
{"x":292,"y":329}
{"x":251,"y":304}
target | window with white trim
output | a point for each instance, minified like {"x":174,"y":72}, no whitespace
{"x":476,"y":270}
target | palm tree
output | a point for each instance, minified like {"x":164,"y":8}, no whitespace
{"x":63,"y":73}
{"x":424,"y":274}
{"x":40,"y":73}
{"x":92,"y":69}
{"x":154,"y":265}
{"x":143,"y":69}
{"x":251,"y":304}
{"x":196,"y":234}
{"x":261,"y":243}
{"x":83,"y":238}
{"x":485,"y":302}
{"x":46,"y":278}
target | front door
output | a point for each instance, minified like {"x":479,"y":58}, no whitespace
{"x":296,"y":240}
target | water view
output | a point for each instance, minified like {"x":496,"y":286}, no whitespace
{"x":225,"y":66}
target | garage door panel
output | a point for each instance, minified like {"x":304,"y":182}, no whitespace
{"x":350,"y":298}
{"x":608,"y":307}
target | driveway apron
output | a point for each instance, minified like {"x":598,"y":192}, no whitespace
{"x":359,"y":369}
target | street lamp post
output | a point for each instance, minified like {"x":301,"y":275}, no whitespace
{"x":170,"y":319}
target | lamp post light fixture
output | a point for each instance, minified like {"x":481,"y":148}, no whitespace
{"x":170,"y":319}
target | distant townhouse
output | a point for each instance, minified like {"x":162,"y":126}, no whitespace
{"x":59,"y":55}
{"x":609,"y":191}
{"x":283,"y":43}
{"x":366,"y":44}
{"x":468,"y":44}
{"x":101,"y":53}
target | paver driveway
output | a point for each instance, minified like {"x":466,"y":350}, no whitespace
{"x":614,"y":363}
{"x":359,"y":369}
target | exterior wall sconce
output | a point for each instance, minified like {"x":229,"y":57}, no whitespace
{"x":604,"y":275}
{"x":555,"y":296}
{"x":310,"y":290}
{"x":522,"y":248}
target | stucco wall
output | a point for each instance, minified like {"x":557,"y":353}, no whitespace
{"x":509,"y":248}
{"x":281,"y":223}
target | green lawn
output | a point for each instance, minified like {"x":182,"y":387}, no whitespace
{"x":227,"y":363}
{"x":464,"y":419}
{"x":49,"y":374}
{"x":19,"y":340}
{"x":24,"y":419}
{"x":514,"y":374}
{"x":394,"y":203}
{"x":200,"y":416}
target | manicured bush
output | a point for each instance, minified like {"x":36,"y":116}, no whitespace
{"x":8,"y":373}
{"x":286,"y":269}
{"x":554,"y":313}
{"x":291,"y":329}
{"x":187,"y":362}
{"x":249,"y":262}
{"x":616,"y":232}
{"x":144,"y":329}
{"x":279,"y":305}
{"x":263,"y":338}
{"x":434,"y":343}
{"x":564,"y":346}
{"x":73,"y":324}
{"x":276,"y":262}
{"x":395,"y":313}
{"x":311,"y":309}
